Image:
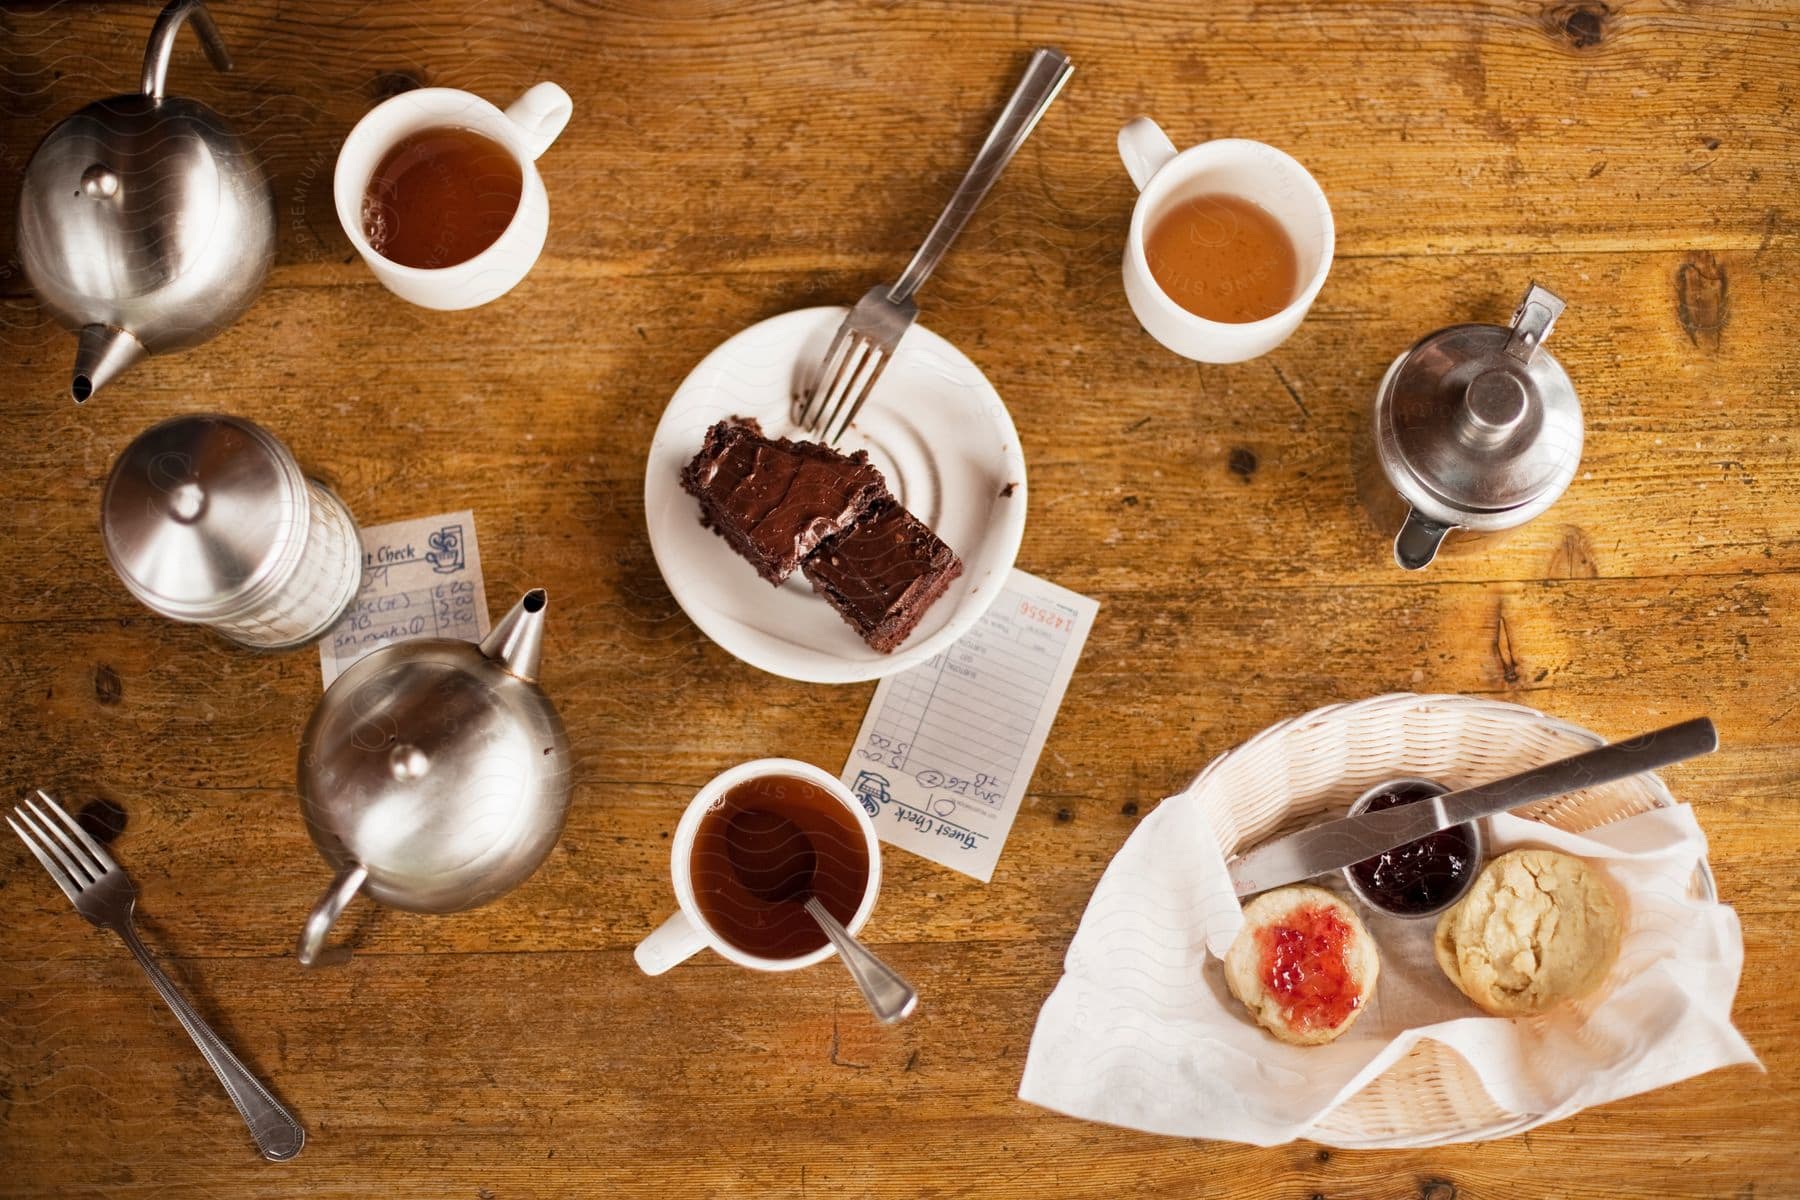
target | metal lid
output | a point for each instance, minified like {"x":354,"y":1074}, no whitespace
{"x":1479,"y":419}
{"x":124,"y":196}
{"x":204,"y":516}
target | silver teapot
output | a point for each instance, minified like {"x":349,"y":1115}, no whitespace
{"x":145,"y":224}
{"x":1477,"y":429}
{"x":434,"y":774}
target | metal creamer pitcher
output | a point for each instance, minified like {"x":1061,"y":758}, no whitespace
{"x":1477,"y":428}
{"x":145,"y":224}
{"x":434,"y":774}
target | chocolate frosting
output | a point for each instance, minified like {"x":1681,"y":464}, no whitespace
{"x":884,"y":573}
{"x":776,"y":500}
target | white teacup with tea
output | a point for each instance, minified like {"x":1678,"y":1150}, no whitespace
{"x":1230,"y":242}
{"x":439,"y":191}
{"x":753,"y":845}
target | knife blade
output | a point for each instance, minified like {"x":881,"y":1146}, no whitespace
{"x":1336,"y":844}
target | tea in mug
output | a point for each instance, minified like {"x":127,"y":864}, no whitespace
{"x":766,"y":846}
{"x":1223,"y":258}
{"x":440,"y":197}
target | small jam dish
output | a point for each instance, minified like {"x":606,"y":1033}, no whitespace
{"x":1420,"y":878}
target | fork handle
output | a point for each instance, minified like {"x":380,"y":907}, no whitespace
{"x":278,"y":1135}
{"x":1048,"y":71}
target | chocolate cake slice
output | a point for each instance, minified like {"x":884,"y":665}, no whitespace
{"x":773,"y":500}
{"x":883,"y":574}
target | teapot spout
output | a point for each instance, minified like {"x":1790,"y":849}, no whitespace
{"x":517,"y":642}
{"x":102,"y":355}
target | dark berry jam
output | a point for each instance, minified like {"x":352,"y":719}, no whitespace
{"x":1420,"y":876}
{"x":1304,"y":967}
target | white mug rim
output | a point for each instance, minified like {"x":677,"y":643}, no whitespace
{"x":509,"y":138}
{"x":1178,"y":170}
{"x":681,"y":856}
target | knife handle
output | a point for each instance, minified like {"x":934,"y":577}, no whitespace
{"x":1591,"y":768}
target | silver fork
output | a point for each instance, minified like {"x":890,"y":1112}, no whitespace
{"x":104,"y":894}
{"x":867,"y":339}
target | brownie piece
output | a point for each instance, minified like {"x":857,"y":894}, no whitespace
{"x":883,"y":574}
{"x":774,"y":501}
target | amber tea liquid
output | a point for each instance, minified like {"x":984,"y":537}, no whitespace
{"x":1223,"y":258}
{"x":762,"y":849}
{"x":440,"y":197}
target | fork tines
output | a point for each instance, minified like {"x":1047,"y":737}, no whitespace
{"x":864,"y":344}
{"x":74,"y":859}
{"x":841,"y":384}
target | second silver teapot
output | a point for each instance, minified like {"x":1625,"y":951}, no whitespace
{"x":434,"y":774}
{"x":145,"y":224}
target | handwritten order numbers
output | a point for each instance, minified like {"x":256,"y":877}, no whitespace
{"x":442,"y":610}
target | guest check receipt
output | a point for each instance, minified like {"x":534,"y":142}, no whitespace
{"x":421,"y":578}
{"x":947,"y":750}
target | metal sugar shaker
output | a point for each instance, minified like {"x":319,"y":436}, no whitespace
{"x":145,"y":223}
{"x":434,"y":774}
{"x":209,"y":519}
{"x":1477,"y":427}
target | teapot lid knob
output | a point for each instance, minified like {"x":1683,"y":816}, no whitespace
{"x":99,"y":182}
{"x":406,"y":762}
{"x":1492,"y":406}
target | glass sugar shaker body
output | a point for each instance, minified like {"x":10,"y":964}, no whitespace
{"x":209,"y":519}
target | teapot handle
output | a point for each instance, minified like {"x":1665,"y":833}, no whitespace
{"x":312,"y":950}
{"x":162,"y":43}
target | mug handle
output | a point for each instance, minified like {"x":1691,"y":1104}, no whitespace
{"x":540,"y":115}
{"x":1145,"y":148}
{"x":674,"y":941}
{"x":343,"y":889}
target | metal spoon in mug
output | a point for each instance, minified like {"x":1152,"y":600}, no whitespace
{"x":775,"y":861}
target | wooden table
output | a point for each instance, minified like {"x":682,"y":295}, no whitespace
{"x":727,"y":163}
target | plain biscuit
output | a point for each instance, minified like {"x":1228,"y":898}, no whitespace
{"x":1538,"y":928}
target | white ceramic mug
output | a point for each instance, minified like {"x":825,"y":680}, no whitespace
{"x":526,"y":129}
{"x":687,"y":932}
{"x":1237,"y":167}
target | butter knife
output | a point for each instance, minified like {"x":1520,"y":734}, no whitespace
{"x":1337,"y":844}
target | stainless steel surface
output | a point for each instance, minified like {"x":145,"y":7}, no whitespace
{"x":870,"y":334}
{"x":162,"y":44}
{"x":1477,"y":426}
{"x":210,"y":519}
{"x":145,"y":223}
{"x":890,"y":997}
{"x":1477,"y":839}
{"x":1335,"y":844}
{"x":104,"y":894}
{"x":438,"y":770}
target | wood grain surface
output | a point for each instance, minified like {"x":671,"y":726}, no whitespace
{"x":730,"y":162}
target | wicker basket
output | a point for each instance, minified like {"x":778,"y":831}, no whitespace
{"x":1303,"y":769}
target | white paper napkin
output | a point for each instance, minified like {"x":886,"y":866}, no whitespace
{"x":1141,"y":1032}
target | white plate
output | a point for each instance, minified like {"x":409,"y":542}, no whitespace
{"x":936,"y":429}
